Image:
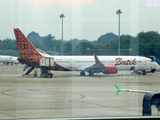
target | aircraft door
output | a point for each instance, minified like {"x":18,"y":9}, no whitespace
{"x":72,"y":64}
{"x":145,"y":63}
{"x":69,"y":64}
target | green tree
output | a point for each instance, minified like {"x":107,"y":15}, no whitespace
{"x":36,"y":40}
{"x":48,"y":42}
{"x":149,"y":43}
{"x":67,"y":48}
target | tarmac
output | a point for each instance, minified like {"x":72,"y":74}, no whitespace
{"x":69,"y":95}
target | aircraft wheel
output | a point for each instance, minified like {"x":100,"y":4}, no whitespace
{"x":144,"y":73}
{"x":153,"y":70}
{"x":35,"y":75}
{"x":82,"y":73}
{"x":43,"y":75}
{"x":50,"y":76}
{"x":91,"y":74}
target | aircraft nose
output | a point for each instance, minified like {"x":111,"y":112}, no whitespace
{"x":155,"y":64}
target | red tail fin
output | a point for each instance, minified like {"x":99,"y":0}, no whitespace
{"x":26,"y":49}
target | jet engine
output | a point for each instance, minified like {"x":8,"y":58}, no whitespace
{"x":110,"y":70}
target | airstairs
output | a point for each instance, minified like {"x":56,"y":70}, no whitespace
{"x":27,"y":70}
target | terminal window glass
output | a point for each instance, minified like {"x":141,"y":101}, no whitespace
{"x":120,"y":33}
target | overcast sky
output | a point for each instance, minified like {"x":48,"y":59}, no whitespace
{"x":84,"y":19}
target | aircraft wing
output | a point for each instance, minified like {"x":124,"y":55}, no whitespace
{"x":130,"y":90}
{"x":97,"y":67}
{"x":100,"y":67}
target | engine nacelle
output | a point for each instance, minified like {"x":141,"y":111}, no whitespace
{"x":110,"y":70}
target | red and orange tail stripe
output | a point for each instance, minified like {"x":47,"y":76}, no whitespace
{"x":26,"y":49}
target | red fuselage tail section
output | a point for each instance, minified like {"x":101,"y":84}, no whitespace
{"x":28,"y":53}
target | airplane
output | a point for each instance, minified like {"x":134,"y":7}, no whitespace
{"x":106,"y":64}
{"x":6,"y":59}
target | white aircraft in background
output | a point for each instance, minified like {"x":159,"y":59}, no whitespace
{"x":6,"y":59}
{"x":106,"y":64}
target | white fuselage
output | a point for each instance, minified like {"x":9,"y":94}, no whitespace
{"x":6,"y":59}
{"x":79,"y":63}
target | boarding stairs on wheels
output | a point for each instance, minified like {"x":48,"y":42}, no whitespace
{"x":27,"y":70}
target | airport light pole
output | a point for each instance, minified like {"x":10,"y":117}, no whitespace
{"x":118,"y":13}
{"x":61,"y":16}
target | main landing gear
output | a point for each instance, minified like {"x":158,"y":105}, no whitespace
{"x":91,"y":73}
{"x":143,"y":72}
{"x":82,"y":73}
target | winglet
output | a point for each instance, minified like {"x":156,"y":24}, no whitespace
{"x":96,"y":58}
{"x":117,"y":89}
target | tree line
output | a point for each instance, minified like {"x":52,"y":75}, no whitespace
{"x":144,"y":44}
